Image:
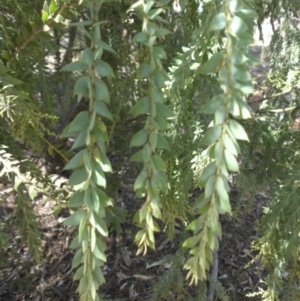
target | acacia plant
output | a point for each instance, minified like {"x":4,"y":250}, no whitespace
{"x":80,"y":79}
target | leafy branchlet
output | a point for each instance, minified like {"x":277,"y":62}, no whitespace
{"x":236,"y":20}
{"x":152,"y":179}
{"x":90,"y":164}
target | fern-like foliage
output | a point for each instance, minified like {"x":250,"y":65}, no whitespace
{"x":28,"y":184}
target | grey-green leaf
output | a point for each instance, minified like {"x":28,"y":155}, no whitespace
{"x":212,"y":105}
{"x":82,"y":86}
{"x":212,"y":134}
{"x":141,"y":107}
{"x":75,"y":66}
{"x":218,"y":22}
{"x":231,"y":161}
{"x":213,"y":64}
{"x":139,"y":138}
{"x":74,"y":219}
{"x":102,"y":109}
{"x":104,"y":69}
{"x":80,"y":122}
{"x":78,"y":176}
{"x":162,"y":32}
{"x":237,"y":130}
{"x":101,"y":91}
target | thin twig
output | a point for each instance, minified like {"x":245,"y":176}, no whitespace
{"x":214,"y":277}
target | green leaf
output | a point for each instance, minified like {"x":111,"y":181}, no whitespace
{"x":158,"y":162}
{"x":159,"y":77}
{"x":105,"y":46}
{"x":57,"y":210}
{"x":153,"y":140}
{"x":164,"y":111}
{"x":237,"y":130}
{"x":245,"y":110}
{"x":82,"y":23}
{"x":225,"y":206}
{"x":148,"y":6}
{"x":140,"y":37}
{"x":157,"y":95}
{"x":105,"y":201}
{"x":79,"y":274}
{"x":208,"y":171}
{"x":197,"y":224}
{"x":229,"y":145}
{"x":219,"y":151}
{"x":238,"y":25}
{"x":98,"y":253}
{"x":214,"y":104}
{"x":139,"y":139}
{"x":215,"y":226}
{"x":241,"y":72}
{"x":88,"y":200}
{"x":244,"y":38}
{"x":104,"y":69}
{"x":231,"y":162}
{"x":213,"y":64}
{"x":150,"y":28}
{"x":99,"y":178}
{"x":146,"y":152}
{"x":86,"y":161}
{"x":78,"y":259}
{"x":182,"y":4}
{"x":74,"y":219}
{"x":162,"y":142}
{"x":140,"y":180}
{"x":76,"y":199}
{"x":95,"y":199}
{"x":158,"y":53}
{"x":75,"y":66}
{"x":75,"y":244}
{"x":246,"y":13}
{"x":221,"y":189}
{"x":245,"y":87}
{"x":156,"y":210}
{"x":100,"y":225}
{"x":45,"y":16}
{"x":105,"y":163}
{"x":210,"y":186}
{"x":218,"y":22}
{"x":81,"y":122}
{"x":192,"y":241}
{"x":67,"y":133}
{"x":81,"y":139}
{"x":141,"y":107}
{"x":79,"y":176}
{"x":101,"y":91}
{"x":138,"y":157}
{"x":102,"y":110}
{"x":82,"y":86}
{"x":212,"y":135}
{"x":162,"y":32}
{"x":162,"y":2}
{"x":93,"y":239}
{"x":201,"y":201}
{"x":32,"y":192}
{"x":144,"y":70}
{"x":87,"y":56}
{"x":83,"y":284}
{"x":220,"y":115}
{"x":154,"y":13}
{"x":53,"y":7}
{"x":76,"y":161}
